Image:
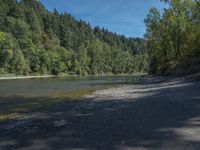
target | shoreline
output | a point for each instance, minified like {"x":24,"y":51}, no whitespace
{"x":148,"y":86}
{"x":164,"y":110}
{"x":62,"y":76}
{"x":27,"y":77}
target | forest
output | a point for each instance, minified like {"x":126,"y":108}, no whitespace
{"x":173,"y":38}
{"x":35,"y":41}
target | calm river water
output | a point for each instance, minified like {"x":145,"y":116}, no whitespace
{"x":55,"y":87}
{"x":26,"y":95}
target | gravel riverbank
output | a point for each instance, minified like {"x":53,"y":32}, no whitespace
{"x":157,"y":113}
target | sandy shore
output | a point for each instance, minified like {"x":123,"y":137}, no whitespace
{"x":158,"y":113}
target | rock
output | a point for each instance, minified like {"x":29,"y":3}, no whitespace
{"x":59,"y":123}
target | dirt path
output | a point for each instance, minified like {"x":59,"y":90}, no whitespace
{"x":156,"y":114}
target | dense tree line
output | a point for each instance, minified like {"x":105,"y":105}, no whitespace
{"x":36,"y":41}
{"x":173,"y":38}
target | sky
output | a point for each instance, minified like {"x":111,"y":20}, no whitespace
{"x":125,"y":17}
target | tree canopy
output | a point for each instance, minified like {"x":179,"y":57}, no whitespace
{"x":173,"y":38}
{"x":34,"y":40}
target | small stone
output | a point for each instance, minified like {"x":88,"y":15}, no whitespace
{"x":60,"y":123}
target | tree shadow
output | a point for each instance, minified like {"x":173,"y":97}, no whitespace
{"x":168,"y":119}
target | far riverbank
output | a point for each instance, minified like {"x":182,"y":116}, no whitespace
{"x":13,"y":77}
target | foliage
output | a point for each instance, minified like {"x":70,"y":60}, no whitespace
{"x":36,"y":41}
{"x":173,"y":37}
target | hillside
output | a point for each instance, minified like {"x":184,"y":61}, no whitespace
{"x":34,"y":40}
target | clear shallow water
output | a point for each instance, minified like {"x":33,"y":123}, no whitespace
{"x":26,"y":95}
{"x":55,"y":87}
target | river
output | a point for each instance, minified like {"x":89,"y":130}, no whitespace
{"x":24,"y":95}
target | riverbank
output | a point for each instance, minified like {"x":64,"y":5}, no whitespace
{"x":153,"y":114}
{"x":13,"y":77}
{"x":25,"y":77}
{"x":146,"y":87}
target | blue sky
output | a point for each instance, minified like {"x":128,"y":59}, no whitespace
{"x":121,"y":16}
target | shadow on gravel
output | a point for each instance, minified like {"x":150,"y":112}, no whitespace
{"x":170,"y":119}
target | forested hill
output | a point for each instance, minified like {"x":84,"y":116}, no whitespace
{"x":34,"y":40}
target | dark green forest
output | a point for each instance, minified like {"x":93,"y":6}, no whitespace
{"x":173,"y":37}
{"x":35,"y":41}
